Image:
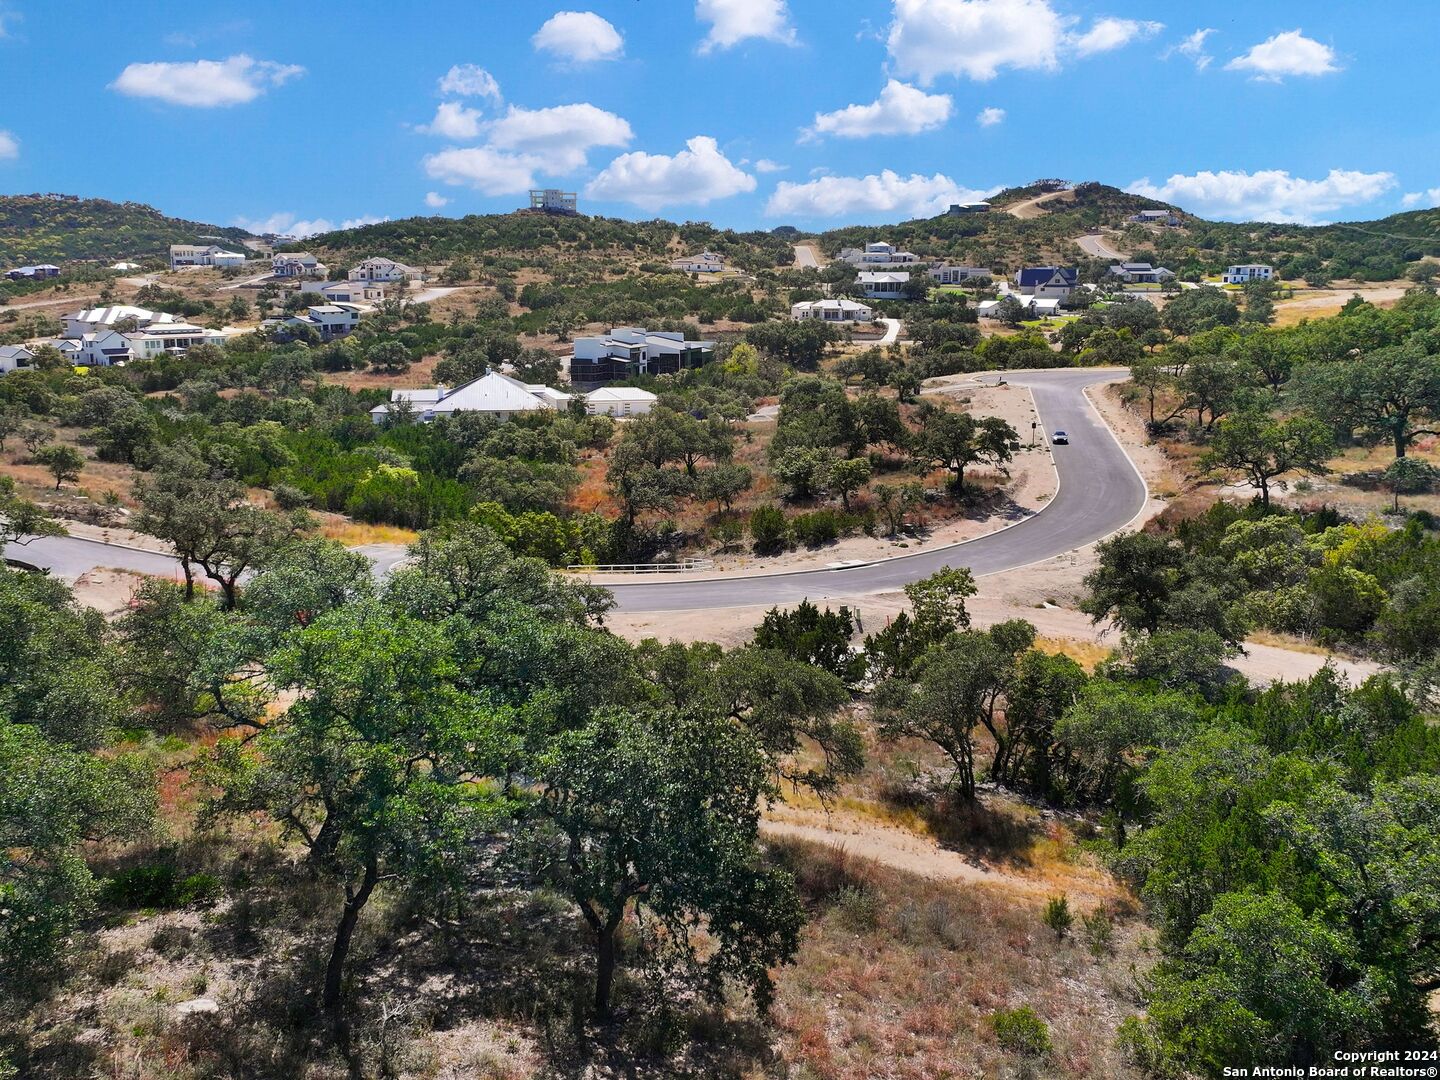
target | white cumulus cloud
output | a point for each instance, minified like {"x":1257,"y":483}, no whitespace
{"x":1290,"y":53}
{"x":886,"y":193}
{"x":435,"y":200}
{"x":9,"y":146}
{"x":558,"y":137}
{"x":974,"y":38}
{"x":989,"y":117}
{"x":579,"y":36}
{"x":487,"y":170}
{"x":286,"y":223}
{"x":205,"y":83}
{"x":1267,"y":195}
{"x":900,"y":110}
{"x":1192,"y":46}
{"x":1428,"y":197}
{"x":734,"y":21}
{"x":454,"y":120}
{"x":698,"y":175}
{"x":1112,"y":33}
{"x":765,"y":165}
{"x":469,"y":80}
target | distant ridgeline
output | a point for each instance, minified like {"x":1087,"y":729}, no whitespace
{"x":61,"y":228}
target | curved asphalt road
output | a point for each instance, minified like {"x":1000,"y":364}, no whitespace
{"x":1100,"y":491}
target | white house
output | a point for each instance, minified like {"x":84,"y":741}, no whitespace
{"x":627,"y":351}
{"x":124,"y":266}
{"x":297,"y":264}
{"x":91,"y":320}
{"x":493,"y":394}
{"x":956,"y":275}
{"x":385,"y":270}
{"x":346,"y":292}
{"x":1157,"y":217}
{"x":1243,"y":272}
{"x":15,"y":356}
{"x":968,"y":208}
{"x":1034,"y":309}
{"x":707,"y":262}
{"x":1047,"y":282}
{"x":882,"y":284}
{"x":835,"y":311}
{"x":619,"y":401}
{"x":878,"y":255}
{"x":553,"y":201}
{"x":182,"y":255}
{"x":173,"y":339}
{"x":1141,"y":273}
{"x":330,"y":321}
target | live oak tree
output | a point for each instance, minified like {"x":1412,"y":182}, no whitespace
{"x":957,"y":440}
{"x":1391,"y":392}
{"x":657,"y":814}
{"x":1408,"y":476}
{"x":374,"y":768}
{"x":63,"y":462}
{"x":21,"y":520}
{"x":849,"y":476}
{"x":1260,"y":448}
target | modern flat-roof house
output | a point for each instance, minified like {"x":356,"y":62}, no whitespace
{"x":1157,"y":217}
{"x":968,"y":208}
{"x":330,"y":321}
{"x":13,"y":357}
{"x":182,"y":255}
{"x":32,"y":273}
{"x":627,"y":351}
{"x":878,"y":256}
{"x":1243,"y":272}
{"x":1047,"y":282}
{"x":882,"y":284}
{"x":346,"y":292}
{"x":297,"y":264}
{"x":1141,"y":273}
{"x":91,"y":320}
{"x":840,"y":310}
{"x":384,"y":270}
{"x":493,"y":394}
{"x":619,"y":401}
{"x":553,"y":201}
{"x":707,"y":262}
{"x":956,"y":275}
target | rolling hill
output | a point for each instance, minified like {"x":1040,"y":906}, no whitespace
{"x":66,"y":228}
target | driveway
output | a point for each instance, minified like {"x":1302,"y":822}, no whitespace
{"x":807,"y":255}
{"x":1096,"y":247}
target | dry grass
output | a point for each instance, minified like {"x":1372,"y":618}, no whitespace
{"x":356,"y":533}
{"x":1085,"y":653}
{"x":898,"y":977}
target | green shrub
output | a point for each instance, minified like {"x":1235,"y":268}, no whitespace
{"x":768,"y":528}
{"x":1021,"y":1031}
{"x":158,"y":885}
{"x":1058,"y":916}
{"x":1099,"y":932}
{"x":816,"y":528}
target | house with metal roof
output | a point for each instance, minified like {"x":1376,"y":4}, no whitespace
{"x":15,"y":356}
{"x":183,"y":255}
{"x":628,"y":351}
{"x":492,"y":394}
{"x":1047,"y":282}
{"x":91,"y":320}
{"x":1141,"y":273}
{"x":619,"y":401}
{"x":883,"y":284}
{"x":33,"y":273}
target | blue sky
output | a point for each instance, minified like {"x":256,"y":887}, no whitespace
{"x":748,"y":113}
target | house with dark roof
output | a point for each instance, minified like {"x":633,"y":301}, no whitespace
{"x":1141,"y":273}
{"x":1047,"y":282}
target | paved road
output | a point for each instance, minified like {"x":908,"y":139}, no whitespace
{"x":892,"y":331}
{"x":805,"y":256}
{"x":1100,"y":491}
{"x":1097,"y":248}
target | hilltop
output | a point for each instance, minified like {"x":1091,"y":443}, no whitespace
{"x":66,"y":228}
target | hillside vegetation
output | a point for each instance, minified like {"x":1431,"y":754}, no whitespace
{"x":63,"y":228}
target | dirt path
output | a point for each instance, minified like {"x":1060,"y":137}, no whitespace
{"x":1033,"y":208}
{"x":905,"y":851}
{"x":807,"y":255}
